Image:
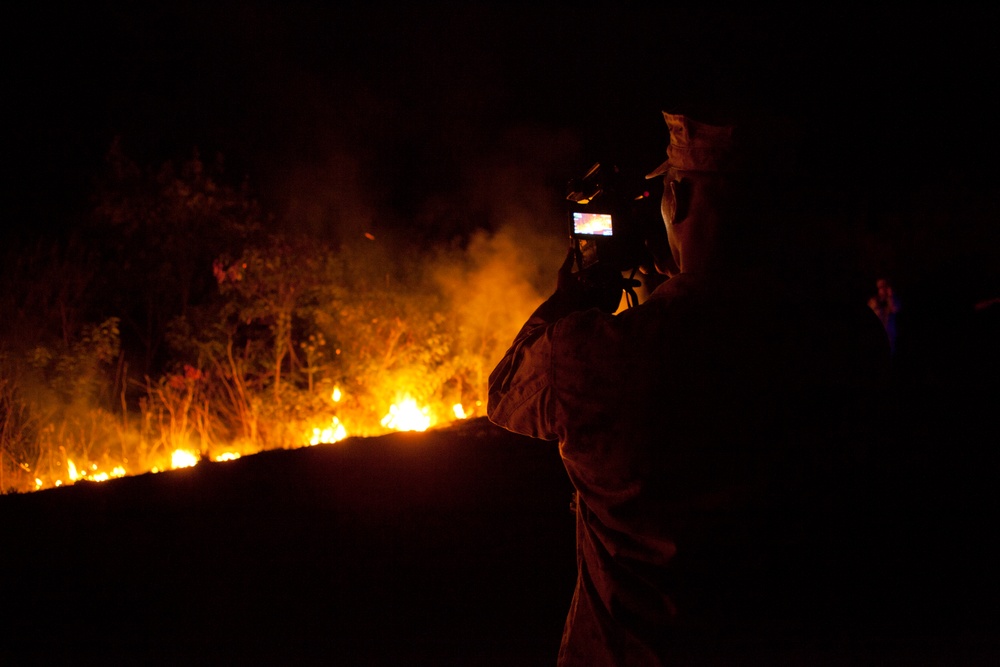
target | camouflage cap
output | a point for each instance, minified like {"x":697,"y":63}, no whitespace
{"x":697,"y":146}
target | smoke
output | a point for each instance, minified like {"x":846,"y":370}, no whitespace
{"x":482,"y":213}
{"x":515,"y":236}
{"x":496,"y":287}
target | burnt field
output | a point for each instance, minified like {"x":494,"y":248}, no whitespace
{"x":450,"y":547}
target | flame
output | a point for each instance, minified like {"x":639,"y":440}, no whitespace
{"x":333,"y":433}
{"x":181,"y":458}
{"x":117,"y":471}
{"x":96,"y":475}
{"x":407,"y":416}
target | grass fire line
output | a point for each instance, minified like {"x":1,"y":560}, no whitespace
{"x":404,"y":415}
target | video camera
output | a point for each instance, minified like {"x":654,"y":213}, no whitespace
{"x":609,"y":220}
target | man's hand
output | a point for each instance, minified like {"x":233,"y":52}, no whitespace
{"x":597,"y":287}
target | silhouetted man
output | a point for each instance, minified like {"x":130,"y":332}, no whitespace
{"x":713,"y":433}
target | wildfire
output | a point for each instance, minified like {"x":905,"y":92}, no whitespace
{"x":95,"y":474}
{"x":407,"y":416}
{"x":404,"y":415}
{"x":407,"y":351}
{"x":335,"y":432}
{"x":181,"y":458}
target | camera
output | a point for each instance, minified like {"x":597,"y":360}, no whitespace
{"x":610,"y":217}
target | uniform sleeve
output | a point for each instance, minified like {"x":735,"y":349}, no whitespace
{"x":522,"y":397}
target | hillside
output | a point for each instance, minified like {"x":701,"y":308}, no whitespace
{"x":452,"y":547}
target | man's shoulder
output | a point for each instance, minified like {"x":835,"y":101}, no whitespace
{"x":677,"y":286}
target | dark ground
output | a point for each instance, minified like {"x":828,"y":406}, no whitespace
{"x":455,"y":547}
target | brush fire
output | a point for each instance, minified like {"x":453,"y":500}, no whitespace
{"x":407,"y":369}
{"x":188,"y":331}
{"x":300,"y":346}
{"x":406,"y":415}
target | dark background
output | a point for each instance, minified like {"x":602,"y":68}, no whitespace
{"x":431,"y":121}
{"x":396,"y":113}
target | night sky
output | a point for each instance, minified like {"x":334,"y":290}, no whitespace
{"x":431,"y":114}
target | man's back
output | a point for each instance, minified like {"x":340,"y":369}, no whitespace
{"x":716,"y":438}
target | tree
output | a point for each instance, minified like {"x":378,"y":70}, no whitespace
{"x":158,"y":232}
{"x":269,"y":286}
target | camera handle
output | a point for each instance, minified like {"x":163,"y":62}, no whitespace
{"x":631,"y":298}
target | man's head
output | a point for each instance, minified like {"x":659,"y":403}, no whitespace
{"x":714,"y":187}
{"x":698,"y":157}
{"x":699,"y":147}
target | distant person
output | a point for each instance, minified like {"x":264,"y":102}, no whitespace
{"x":885,"y":304}
{"x":714,"y":433}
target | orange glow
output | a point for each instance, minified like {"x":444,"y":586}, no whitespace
{"x":95,"y":475}
{"x":333,"y":433}
{"x":407,"y":416}
{"x":182,"y":458}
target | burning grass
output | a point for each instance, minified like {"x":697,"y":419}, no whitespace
{"x":172,"y":329}
{"x":302,"y":345}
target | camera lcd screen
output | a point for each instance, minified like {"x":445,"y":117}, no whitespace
{"x":592,"y":224}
